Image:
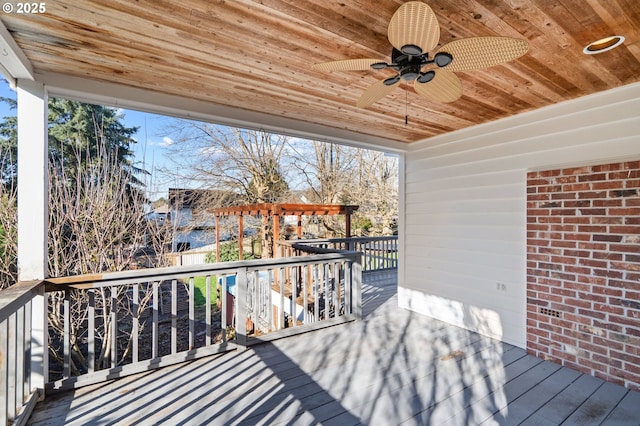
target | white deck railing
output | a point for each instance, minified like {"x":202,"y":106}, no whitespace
{"x":110,"y":325}
{"x":122,"y":323}
{"x":378,"y":253}
{"x":17,"y":395}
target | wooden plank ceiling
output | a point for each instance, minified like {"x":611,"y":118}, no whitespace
{"x":257,"y":55}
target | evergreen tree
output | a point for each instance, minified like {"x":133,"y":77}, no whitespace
{"x":81,"y":138}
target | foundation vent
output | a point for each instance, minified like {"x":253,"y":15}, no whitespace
{"x":550,"y":312}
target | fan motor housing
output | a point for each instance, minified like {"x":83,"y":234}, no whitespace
{"x":410,"y":72}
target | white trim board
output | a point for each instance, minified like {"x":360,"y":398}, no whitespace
{"x":626,"y":97}
{"x":121,"y":96}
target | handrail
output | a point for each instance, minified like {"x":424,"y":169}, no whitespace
{"x":17,"y":394}
{"x":126,"y":315}
{"x":80,"y":281}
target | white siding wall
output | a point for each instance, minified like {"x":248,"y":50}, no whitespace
{"x":465,"y":205}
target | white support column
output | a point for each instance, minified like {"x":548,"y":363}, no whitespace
{"x":33,"y":196}
{"x":402,"y":199}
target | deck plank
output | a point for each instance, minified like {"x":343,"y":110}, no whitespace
{"x":482,"y":395}
{"x":565,"y":402}
{"x":393,"y":367}
{"x":525,"y":405}
{"x":626,"y":411}
{"x":596,"y":409}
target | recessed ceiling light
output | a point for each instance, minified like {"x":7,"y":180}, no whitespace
{"x":603,"y":45}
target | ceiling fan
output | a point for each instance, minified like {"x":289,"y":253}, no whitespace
{"x":414,"y":32}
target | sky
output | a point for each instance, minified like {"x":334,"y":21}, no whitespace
{"x":149,"y":151}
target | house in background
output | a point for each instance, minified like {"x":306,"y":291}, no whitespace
{"x":519,"y":202}
{"x":160,"y":213}
{"x":193,"y":226}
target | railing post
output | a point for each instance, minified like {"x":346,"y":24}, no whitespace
{"x":242,"y":291}
{"x":66,"y":351}
{"x":39,"y":347}
{"x":356,"y":286}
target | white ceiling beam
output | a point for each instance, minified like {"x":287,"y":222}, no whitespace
{"x":13,"y":61}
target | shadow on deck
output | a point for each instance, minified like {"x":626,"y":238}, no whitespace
{"x":393,"y":367}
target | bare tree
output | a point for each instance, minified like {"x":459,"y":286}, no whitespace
{"x":339,"y":174}
{"x":97,"y":223}
{"x":8,"y":220}
{"x":377,"y":192}
{"x":246,"y":164}
{"x":328,"y":170}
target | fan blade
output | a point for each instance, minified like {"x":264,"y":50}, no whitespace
{"x":346,"y":65}
{"x":483,"y":52}
{"x":414,"y":23}
{"x":445,"y":87}
{"x":374,"y":93}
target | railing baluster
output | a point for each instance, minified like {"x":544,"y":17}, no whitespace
{"x":253,"y":306}
{"x":174,"y":316}
{"x":4,"y":371}
{"x":385,"y":254}
{"x":325,"y":281}
{"x":281,"y":324}
{"x":191,"y":313}
{"x":316,"y":293}
{"x":114,"y":326}
{"x":257,"y":300}
{"x":66,"y":368}
{"x":26,"y":383}
{"x":208,"y":310}
{"x":374,"y":258}
{"x":223,"y":306}
{"x":305,"y":299}
{"x":270,"y":299}
{"x":241,"y":312}
{"x":135,"y":325}
{"x":91,"y":332}
{"x":336,"y":289}
{"x":12,"y":356}
{"x":154,"y":322}
{"x":355,"y":284}
{"x":348,"y":309}
{"x":294,"y":297}
{"x":20,"y":355}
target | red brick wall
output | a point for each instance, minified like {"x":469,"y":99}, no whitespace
{"x":583,"y":269}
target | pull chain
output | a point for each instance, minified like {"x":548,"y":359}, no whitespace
{"x":406,"y":107}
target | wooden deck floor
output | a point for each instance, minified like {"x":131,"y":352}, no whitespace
{"x":394,"y":367}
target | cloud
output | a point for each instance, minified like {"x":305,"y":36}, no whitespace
{"x":166,"y":141}
{"x":209,"y":150}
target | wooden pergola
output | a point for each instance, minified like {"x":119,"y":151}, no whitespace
{"x":274,"y":211}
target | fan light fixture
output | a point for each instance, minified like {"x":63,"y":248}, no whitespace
{"x":411,"y":50}
{"x":603,"y":45}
